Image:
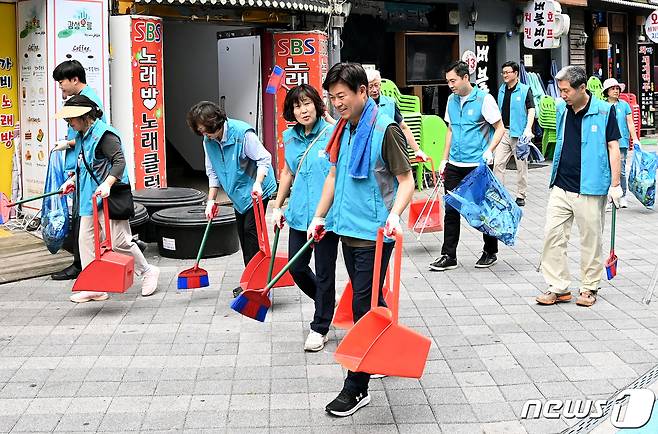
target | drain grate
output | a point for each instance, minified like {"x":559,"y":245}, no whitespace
{"x":588,"y":424}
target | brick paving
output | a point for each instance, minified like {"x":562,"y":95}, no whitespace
{"x":187,"y":362}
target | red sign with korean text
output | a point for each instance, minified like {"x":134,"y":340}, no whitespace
{"x":148,"y":103}
{"x":304,"y":59}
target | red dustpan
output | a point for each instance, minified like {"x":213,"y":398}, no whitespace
{"x":425,"y":215}
{"x":343,"y":317}
{"x":378,"y":343}
{"x":109,"y":271}
{"x":254,"y":275}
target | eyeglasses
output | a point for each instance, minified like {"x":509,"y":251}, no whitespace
{"x":507,"y":72}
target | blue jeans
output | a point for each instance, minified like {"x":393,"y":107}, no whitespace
{"x":624,"y":153}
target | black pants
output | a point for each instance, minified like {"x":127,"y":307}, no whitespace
{"x":360,"y":262}
{"x":247,"y":234}
{"x":321,"y":286}
{"x":451,"y":219}
{"x":75,"y":233}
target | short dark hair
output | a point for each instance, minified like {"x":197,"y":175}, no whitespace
{"x":208,"y":114}
{"x":295,"y":95}
{"x":352,"y":74}
{"x":460,"y":68}
{"x":68,"y":70}
{"x":511,"y":64}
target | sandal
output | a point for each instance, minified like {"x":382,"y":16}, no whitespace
{"x":586,"y":298}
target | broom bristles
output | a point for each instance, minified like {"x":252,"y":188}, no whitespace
{"x":192,"y":282}
{"x":249,"y":308}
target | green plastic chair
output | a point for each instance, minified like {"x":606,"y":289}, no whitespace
{"x":433,"y":143}
{"x":595,"y":86}
{"x":406,"y":103}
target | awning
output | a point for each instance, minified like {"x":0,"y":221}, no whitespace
{"x":316,"y":6}
{"x":632,"y":4}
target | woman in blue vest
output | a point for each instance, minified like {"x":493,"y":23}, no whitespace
{"x":611,"y":89}
{"x":237,"y":161}
{"x":305,"y":170}
{"x":100,"y":165}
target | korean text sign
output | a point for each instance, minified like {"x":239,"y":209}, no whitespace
{"x":304,"y":59}
{"x":148,"y":103}
{"x":8,"y":93}
{"x":539,"y":24}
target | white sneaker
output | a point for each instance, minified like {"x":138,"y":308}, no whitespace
{"x":623,"y":202}
{"x":85,"y":296}
{"x":315,"y":341}
{"x":150,"y":280}
{"x":376,"y":376}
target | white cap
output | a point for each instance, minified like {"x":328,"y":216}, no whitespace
{"x":610,"y":82}
{"x":373,"y":74}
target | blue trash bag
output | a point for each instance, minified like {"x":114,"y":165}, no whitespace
{"x":55,"y":210}
{"x":642,"y":177}
{"x":487,"y":206}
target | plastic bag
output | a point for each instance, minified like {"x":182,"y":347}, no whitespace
{"x":487,"y":206}
{"x":642,"y":177}
{"x":55,"y":211}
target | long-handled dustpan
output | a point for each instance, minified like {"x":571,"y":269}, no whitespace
{"x":195,"y":277}
{"x":109,"y":271}
{"x":255,"y":303}
{"x":254,"y":275}
{"x":611,"y":262}
{"x":343,"y":316}
{"x":425,"y":215}
{"x":378,"y":343}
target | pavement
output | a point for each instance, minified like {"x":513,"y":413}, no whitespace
{"x":187,"y":362}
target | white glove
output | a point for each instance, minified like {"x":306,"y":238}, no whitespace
{"x":528,"y":134}
{"x":61,"y":145}
{"x":634,"y":144}
{"x":316,"y":229}
{"x":442,"y":168}
{"x":277,"y":218}
{"x":211,"y":209}
{"x":487,"y":156}
{"x":614,"y":194}
{"x":68,"y":186}
{"x":257,"y":188}
{"x":423,"y":156}
{"x":103,"y":189}
{"x":392,"y":225}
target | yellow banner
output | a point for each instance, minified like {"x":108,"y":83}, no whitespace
{"x":8,"y":93}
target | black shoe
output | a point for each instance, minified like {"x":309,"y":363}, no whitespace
{"x":237,"y":291}
{"x":347,"y":403}
{"x":486,"y":260}
{"x":520,"y":201}
{"x":445,"y":262}
{"x":69,"y":273}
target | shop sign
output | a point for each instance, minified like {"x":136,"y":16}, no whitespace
{"x":539,"y":24}
{"x":651,"y":26}
{"x":485,"y":61}
{"x":148,"y":102}
{"x":304,"y":59}
{"x":647,"y":86}
{"x":8,"y":94}
{"x":470,"y":59}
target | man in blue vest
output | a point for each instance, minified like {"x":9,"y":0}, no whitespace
{"x":586,"y":170}
{"x":72,"y":80}
{"x":388,"y":106}
{"x":368,"y":186}
{"x":517,"y":108}
{"x":474,"y":130}
{"x":238,"y":162}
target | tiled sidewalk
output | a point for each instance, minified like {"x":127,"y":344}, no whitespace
{"x":187,"y":362}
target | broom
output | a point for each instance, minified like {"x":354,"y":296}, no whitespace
{"x":195,"y":277}
{"x":254,"y":303}
{"x":611,"y":263}
{"x":5,"y":204}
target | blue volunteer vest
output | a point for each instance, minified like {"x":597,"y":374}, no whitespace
{"x":387,"y":106}
{"x":518,"y":115}
{"x":471,"y":133}
{"x":310,"y":177}
{"x":70,"y":157}
{"x":361,"y":206}
{"x":235,"y":174}
{"x":623,"y":109}
{"x":86,"y":186}
{"x":595,"y":175}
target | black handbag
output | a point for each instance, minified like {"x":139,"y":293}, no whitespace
{"x":120,"y":201}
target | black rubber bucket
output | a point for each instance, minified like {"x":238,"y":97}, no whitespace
{"x":180,"y":230}
{"x":156,"y":199}
{"x":139,"y":222}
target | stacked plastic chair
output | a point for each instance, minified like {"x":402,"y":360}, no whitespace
{"x":631,"y":99}
{"x":406,"y":103}
{"x":595,"y":86}
{"x":547,"y":120}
